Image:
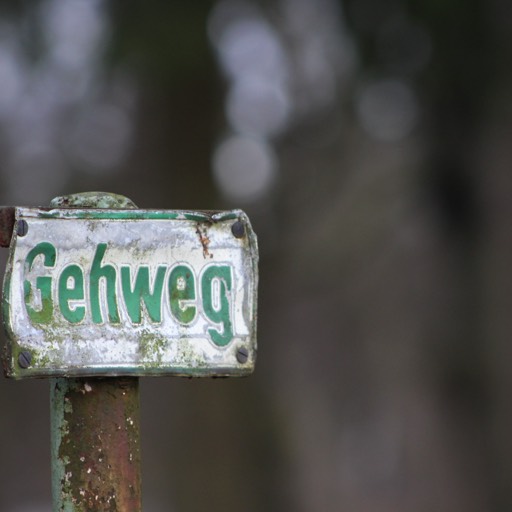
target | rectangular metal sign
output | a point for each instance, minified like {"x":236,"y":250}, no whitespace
{"x":130,"y":292}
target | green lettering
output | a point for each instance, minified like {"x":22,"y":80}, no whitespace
{"x":215,"y":286}
{"x":141,"y":293}
{"x":182,"y":289}
{"x":108,"y":273}
{"x":43,"y":283}
{"x":75,"y":292}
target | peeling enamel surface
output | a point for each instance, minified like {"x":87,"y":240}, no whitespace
{"x":196,"y":335}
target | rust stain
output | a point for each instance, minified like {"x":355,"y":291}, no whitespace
{"x":203,"y":238}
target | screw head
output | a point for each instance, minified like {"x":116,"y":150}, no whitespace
{"x":242,"y":355}
{"x":22,"y":227}
{"x":238,"y":229}
{"x":25,"y":359}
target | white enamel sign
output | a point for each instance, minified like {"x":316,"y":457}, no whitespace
{"x":130,"y":292}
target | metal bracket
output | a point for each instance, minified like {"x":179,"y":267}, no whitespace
{"x":6,"y":225}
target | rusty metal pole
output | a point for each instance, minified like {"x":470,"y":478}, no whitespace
{"x":95,"y":448}
{"x":95,"y":444}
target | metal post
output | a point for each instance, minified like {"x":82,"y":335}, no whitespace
{"x":95,"y":447}
{"x":95,"y":444}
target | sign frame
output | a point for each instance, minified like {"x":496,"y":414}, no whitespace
{"x":202,"y":233}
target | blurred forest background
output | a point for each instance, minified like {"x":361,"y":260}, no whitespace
{"x":370,"y":143}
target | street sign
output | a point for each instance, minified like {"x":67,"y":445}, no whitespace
{"x":130,"y":292}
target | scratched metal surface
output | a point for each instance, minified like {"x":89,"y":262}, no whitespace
{"x":134,"y":239}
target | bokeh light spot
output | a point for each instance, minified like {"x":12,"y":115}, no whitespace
{"x":258,"y":107}
{"x":387,"y":109}
{"x":244,"y":168}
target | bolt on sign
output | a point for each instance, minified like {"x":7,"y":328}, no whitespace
{"x":130,"y":292}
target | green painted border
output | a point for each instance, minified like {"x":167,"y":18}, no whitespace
{"x":112,"y":214}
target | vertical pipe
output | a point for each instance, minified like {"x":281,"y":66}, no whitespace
{"x":95,"y":444}
{"x":95,"y":448}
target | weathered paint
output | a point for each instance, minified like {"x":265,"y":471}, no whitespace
{"x":95,"y":439}
{"x":130,"y":292}
{"x":95,"y":445}
{"x":92,"y":200}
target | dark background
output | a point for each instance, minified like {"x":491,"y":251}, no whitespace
{"x":370,"y":144}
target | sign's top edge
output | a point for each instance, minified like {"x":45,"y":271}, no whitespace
{"x":211,"y":216}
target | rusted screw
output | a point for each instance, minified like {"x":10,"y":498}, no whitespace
{"x":242,"y":354}
{"x":25,"y":359}
{"x":22,"y":228}
{"x":238,"y":229}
